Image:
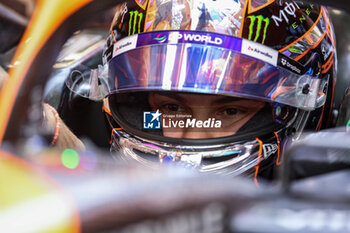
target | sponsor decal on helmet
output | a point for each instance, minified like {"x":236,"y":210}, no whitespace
{"x":160,"y":38}
{"x":288,"y":13}
{"x":285,"y":63}
{"x":293,"y":16}
{"x":202,"y":38}
{"x":261,"y":52}
{"x":288,"y":10}
{"x":294,"y":49}
{"x":125,"y":45}
{"x":269,"y":149}
{"x":175,"y":37}
{"x":135,"y":22}
{"x":258,"y":20}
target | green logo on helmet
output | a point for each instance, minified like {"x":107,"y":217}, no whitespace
{"x":135,"y":22}
{"x":259,"y":22}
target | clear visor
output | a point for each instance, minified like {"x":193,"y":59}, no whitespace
{"x":208,"y":69}
{"x":160,"y":115}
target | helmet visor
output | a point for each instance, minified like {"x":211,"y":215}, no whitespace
{"x":214,"y":64}
{"x":164,"y":115}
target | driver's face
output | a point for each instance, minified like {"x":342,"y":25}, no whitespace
{"x":232,"y":112}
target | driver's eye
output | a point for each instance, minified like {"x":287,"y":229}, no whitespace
{"x":231,"y":111}
{"x":173,"y":107}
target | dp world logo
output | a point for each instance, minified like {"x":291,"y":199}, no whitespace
{"x":151,"y":120}
{"x":160,"y":38}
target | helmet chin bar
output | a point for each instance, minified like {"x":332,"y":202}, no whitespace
{"x":235,"y":158}
{"x":241,"y":158}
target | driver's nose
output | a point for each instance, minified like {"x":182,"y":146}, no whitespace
{"x":202,"y":114}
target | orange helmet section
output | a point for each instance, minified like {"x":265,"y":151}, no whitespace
{"x":47,"y":17}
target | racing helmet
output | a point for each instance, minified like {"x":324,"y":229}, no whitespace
{"x":217,"y":85}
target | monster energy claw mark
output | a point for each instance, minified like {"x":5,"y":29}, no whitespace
{"x":295,"y":50}
{"x":260,"y":19}
{"x":135,"y":21}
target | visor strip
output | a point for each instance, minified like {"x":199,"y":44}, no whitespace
{"x":240,"y":45}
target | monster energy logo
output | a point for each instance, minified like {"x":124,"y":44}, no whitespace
{"x":135,"y":22}
{"x":260,"y":19}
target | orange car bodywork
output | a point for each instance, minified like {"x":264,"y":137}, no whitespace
{"x":31,"y":201}
{"x":47,"y":17}
{"x":20,"y":183}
